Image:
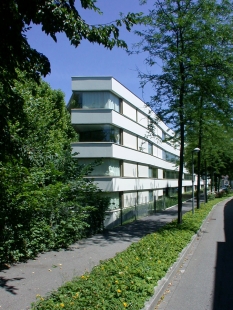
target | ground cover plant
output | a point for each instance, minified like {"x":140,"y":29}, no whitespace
{"x":128,"y":279}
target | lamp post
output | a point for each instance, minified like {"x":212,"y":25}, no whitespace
{"x":196,"y":150}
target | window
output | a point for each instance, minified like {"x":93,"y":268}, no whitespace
{"x":150,"y":148}
{"x":151,"y":196}
{"x":98,"y":133}
{"x":94,"y":99}
{"x":163,"y":136}
{"x":169,"y":157}
{"x":170,"y":174}
{"x":153,"y":172}
{"x":108,"y":167}
{"x":187,"y":176}
{"x":114,"y":200}
{"x":188,"y":188}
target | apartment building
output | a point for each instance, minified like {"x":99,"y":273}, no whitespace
{"x":138,"y":165}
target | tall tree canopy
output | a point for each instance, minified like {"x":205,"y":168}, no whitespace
{"x":190,"y":43}
{"x":16,"y":17}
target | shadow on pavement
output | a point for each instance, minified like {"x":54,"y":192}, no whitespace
{"x":135,"y":230}
{"x":223,"y":291}
{"x":9,"y":288}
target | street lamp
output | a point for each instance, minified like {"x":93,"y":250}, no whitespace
{"x":196,"y":150}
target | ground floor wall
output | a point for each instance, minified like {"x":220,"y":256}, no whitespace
{"x":128,"y":206}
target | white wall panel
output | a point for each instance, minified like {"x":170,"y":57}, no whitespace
{"x":130,"y":184}
{"x":160,"y":173}
{"x":143,"y":171}
{"x":91,"y":83}
{"x":130,"y":198}
{"x":99,"y":116}
{"x":108,"y":149}
{"x":155,"y":151}
{"x":111,"y":217}
{"x":159,"y":153}
{"x":159,"y":193}
{"x":142,"y":145}
{"x":130,"y":170}
{"x":159,"y":132}
{"x":143,"y":197}
{"x":129,"y":111}
{"x":142,"y":119}
{"x":129,"y":140}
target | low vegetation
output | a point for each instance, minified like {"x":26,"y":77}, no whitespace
{"x":128,"y":279}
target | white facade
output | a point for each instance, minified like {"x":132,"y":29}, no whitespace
{"x":137,"y":167}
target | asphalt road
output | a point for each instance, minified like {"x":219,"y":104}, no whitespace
{"x":204,"y":280}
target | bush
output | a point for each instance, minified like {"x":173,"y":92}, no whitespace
{"x":37,"y":215}
{"x":45,"y":200}
{"x":211,"y":195}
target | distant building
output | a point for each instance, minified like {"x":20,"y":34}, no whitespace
{"x":138,"y":167}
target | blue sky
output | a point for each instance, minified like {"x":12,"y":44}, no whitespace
{"x":92,"y":59}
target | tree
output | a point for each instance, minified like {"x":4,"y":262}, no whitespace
{"x":16,"y":16}
{"x":210,"y":129}
{"x":216,"y":159}
{"x":45,"y":200}
{"x":182,"y":38}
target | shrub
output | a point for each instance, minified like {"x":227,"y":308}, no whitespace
{"x":45,"y":200}
{"x":37,"y":215}
{"x":211,"y":195}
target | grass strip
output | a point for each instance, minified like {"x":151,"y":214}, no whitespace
{"x":127,"y":281}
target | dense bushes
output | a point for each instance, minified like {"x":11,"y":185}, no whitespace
{"x":45,"y":200}
{"x":37,"y":217}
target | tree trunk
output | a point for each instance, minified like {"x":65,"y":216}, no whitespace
{"x":180,"y":48}
{"x":199,"y":153}
{"x":180,"y":180}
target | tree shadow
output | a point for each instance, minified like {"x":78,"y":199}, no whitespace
{"x":223,"y":290}
{"x":135,"y":230}
{"x":9,"y":288}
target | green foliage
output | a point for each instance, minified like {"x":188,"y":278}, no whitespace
{"x":36,"y":217}
{"x":128,"y":279}
{"x":16,"y":54}
{"x":55,"y":17}
{"x":188,"y":47}
{"x":211,"y":196}
{"x":45,"y":200}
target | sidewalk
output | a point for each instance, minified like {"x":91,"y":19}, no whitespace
{"x":20,"y":284}
{"x":204,"y":280}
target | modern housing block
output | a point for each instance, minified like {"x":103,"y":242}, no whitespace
{"x":138,"y":157}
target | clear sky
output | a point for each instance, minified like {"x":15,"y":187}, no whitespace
{"x":92,"y":59}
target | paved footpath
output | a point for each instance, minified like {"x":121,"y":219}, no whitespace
{"x":204,"y":280}
{"x":20,"y":284}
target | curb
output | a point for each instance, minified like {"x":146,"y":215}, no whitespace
{"x":164,"y":282}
